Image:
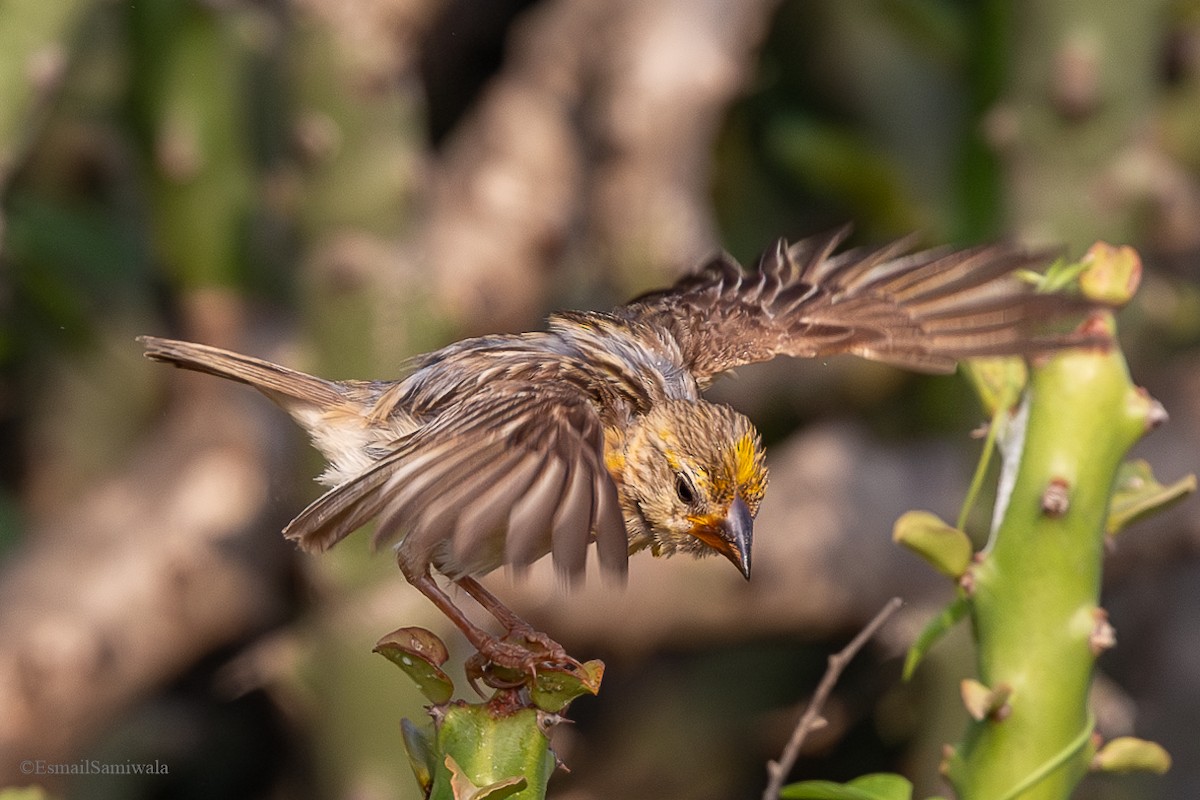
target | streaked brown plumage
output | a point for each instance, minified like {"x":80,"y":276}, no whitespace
{"x":499,"y":450}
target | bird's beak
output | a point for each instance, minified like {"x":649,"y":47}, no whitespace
{"x":729,"y":535}
{"x":737,"y":531}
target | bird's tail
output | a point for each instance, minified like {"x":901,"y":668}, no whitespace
{"x":284,"y":386}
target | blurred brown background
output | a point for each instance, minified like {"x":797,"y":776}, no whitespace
{"x":341,"y":185}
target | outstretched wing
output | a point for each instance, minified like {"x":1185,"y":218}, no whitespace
{"x":924,"y":310}
{"x":506,"y":477}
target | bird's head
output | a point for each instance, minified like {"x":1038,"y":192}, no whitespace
{"x":695,"y":473}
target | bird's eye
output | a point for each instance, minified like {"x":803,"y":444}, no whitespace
{"x":683,"y":488}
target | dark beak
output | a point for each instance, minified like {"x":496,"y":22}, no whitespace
{"x":737,"y":529}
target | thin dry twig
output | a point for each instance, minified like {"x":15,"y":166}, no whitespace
{"x":811,"y":720}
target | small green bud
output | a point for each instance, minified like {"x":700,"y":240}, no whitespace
{"x":1110,"y":274}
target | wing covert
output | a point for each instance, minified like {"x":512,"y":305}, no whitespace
{"x":505,"y":477}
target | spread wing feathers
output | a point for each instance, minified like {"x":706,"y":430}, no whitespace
{"x":510,"y":475}
{"x":924,"y":310}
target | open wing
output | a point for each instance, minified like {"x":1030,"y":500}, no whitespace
{"x":924,"y":310}
{"x":505,"y":477}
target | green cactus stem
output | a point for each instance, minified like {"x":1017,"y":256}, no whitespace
{"x":485,"y":750}
{"x":1035,"y":590}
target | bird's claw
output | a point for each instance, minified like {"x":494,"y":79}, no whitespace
{"x":514,"y":661}
{"x":549,"y":651}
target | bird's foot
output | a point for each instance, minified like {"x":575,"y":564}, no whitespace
{"x":514,"y":660}
{"x":550,"y":651}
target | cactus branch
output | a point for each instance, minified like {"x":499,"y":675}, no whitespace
{"x":1036,"y":589}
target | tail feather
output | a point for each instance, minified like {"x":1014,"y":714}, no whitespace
{"x":278,"y":382}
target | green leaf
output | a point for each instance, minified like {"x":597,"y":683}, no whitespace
{"x":463,"y":789}
{"x":420,"y":654}
{"x":422,"y":752}
{"x":1130,"y":754}
{"x":934,"y":630}
{"x":554,"y":688}
{"x":23,"y":793}
{"x":1058,"y":276}
{"x":997,"y":380}
{"x":946,"y":548}
{"x":1138,"y":494}
{"x":877,"y":786}
{"x":885,"y":786}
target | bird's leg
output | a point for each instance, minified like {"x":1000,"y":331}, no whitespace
{"x":495,"y":650}
{"x":514,"y":624}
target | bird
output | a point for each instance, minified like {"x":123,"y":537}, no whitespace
{"x":594,"y":433}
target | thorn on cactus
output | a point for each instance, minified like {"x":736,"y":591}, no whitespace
{"x":1104,"y":635}
{"x":1056,"y":499}
{"x":1156,"y":413}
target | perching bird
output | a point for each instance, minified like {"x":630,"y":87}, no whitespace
{"x":499,"y":450}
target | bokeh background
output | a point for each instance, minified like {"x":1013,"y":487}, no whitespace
{"x":340,"y":185}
